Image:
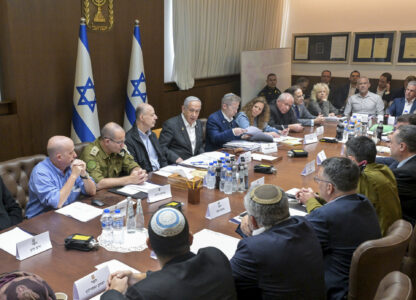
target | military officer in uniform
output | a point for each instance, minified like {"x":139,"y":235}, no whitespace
{"x":270,"y":91}
{"x":109,"y":162}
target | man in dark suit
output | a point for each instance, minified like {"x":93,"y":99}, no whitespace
{"x":142,"y":143}
{"x":399,"y":93}
{"x":184,"y":275}
{"x":270,"y":91}
{"x":280,"y":257}
{"x":282,"y":115}
{"x":407,"y":104}
{"x":403,"y":150}
{"x":383,"y":89}
{"x":181,"y":136}
{"x":343,"y":223}
{"x":343,"y":93}
{"x":221,"y":127}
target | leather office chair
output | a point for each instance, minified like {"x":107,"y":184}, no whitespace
{"x":395,"y":285}
{"x":16,"y":173}
{"x":204,"y":128}
{"x":157,"y":131}
{"x":409,"y":261}
{"x":79,"y":147}
{"x":374,"y":259}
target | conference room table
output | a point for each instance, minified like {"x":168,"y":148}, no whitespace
{"x":61,"y":267}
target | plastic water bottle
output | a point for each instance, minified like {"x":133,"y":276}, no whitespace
{"x":228,"y":184}
{"x":107,"y":231}
{"x":241,"y":185}
{"x":223,"y":173}
{"x":243,"y":162}
{"x":218,"y":170}
{"x":345,"y":133}
{"x":130,"y":221}
{"x":227,"y":159}
{"x":140,"y":217}
{"x":211,"y":176}
{"x":235,"y":174}
{"x":351,"y":130}
{"x":358,"y":128}
{"x":118,"y":238}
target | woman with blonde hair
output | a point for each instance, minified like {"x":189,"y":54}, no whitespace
{"x":256,"y":113}
{"x":319,"y":103}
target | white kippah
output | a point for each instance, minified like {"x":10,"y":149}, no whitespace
{"x":167,"y":222}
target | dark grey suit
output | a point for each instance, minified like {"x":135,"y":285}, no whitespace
{"x":175,"y":141}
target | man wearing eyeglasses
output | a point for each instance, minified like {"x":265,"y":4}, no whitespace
{"x":343,"y":223}
{"x":109,"y":162}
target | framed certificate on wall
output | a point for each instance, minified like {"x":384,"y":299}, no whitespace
{"x":407,"y":48}
{"x":320,"y":47}
{"x":373,"y":47}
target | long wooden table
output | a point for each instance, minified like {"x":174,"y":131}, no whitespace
{"x":61,"y":267}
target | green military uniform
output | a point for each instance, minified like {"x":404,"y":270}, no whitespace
{"x":101,"y":165}
{"x":378,"y":184}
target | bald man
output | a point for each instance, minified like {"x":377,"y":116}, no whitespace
{"x":143,"y":143}
{"x":59,"y":179}
{"x":109,"y":162}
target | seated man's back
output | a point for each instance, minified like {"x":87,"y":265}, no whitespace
{"x":206,"y":275}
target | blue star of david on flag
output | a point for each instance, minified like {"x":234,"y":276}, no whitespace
{"x":82,"y":90}
{"x":136,"y":92}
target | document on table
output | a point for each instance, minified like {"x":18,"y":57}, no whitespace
{"x":246,"y":145}
{"x":115,"y":265}
{"x":9,"y":239}
{"x":180,"y":170}
{"x":80,"y":211}
{"x":208,"y":238}
{"x":261,"y":157}
{"x":202,"y":160}
{"x":135,"y":188}
{"x":296,"y":212}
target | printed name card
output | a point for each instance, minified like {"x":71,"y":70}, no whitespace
{"x":257,"y":182}
{"x":159,"y":193}
{"x":310,"y":138}
{"x":309,"y":168}
{"x":91,"y":285}
{"x":267,"y":148}
{"x":320,"y":157}
{"x":33,"y":246}
{"x":319,"y":130}
{"x":391,"y":120}
{"x":218,"y":208}
{"x":247,"y":157}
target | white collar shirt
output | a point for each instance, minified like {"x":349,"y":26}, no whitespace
{"x":190,"y":129}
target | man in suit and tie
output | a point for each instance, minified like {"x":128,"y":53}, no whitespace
{"x":181,"y":136}
{"x":403,"y":150}
{"x":221,"y":127}
{"x":407,"y":104}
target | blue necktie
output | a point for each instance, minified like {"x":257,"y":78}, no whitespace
{"x":297,"y":111}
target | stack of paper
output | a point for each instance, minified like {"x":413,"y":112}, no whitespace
{"x":180,"y":170}
{"x":246,"y":145}
{"x":80,"y":211}
{"x":203,"y":160}
{"x":260,"y":157}
{"x":208,"y":238}
{"x":9,"y":239}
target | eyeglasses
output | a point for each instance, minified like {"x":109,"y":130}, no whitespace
{"x":117,"y":142}
{"x":317,"y":179}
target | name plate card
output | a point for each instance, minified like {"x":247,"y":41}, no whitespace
{"x":309,"y":168}
{"x":319,"y":130}
{"x":218,"y":208}
{"x":267,"y":148}
{"x":391,"y":120}
{"x":310,"y":138}
{"x":33,"y":246}
{"x":320,"y":157}
{"x":91,"y":285}
{"x":247,"y":157}
{"x":159,"y":193}
{"x":257,"y":182}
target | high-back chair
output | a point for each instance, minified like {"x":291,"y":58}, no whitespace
{"x":16,"y":173}
{"x":374,"y":259}
{"x":395,"y":285}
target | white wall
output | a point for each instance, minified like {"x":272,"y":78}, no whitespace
{"x":320,"y":16}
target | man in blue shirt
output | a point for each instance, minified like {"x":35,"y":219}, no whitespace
{"x":58,"y":179}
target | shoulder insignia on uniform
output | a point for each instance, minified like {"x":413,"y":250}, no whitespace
{"x":94,"y":151}
{"x":91,"y":165}
{"x":126,"y":149}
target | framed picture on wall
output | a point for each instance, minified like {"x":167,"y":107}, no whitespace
{"x":373,"y":47}
{"x":320,"y":47}
{"x":407,"y":48}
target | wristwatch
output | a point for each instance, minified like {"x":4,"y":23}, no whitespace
{"x":84,"y":177}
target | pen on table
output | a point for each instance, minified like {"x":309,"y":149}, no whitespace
{"x":197,"y":163}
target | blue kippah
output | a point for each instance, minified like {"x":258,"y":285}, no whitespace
{"x":167,"y":222}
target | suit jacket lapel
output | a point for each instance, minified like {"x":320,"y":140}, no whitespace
{"x":184,"y":132}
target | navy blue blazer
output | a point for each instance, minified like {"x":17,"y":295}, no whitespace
{"x":406,"y":185}
{"x":219,"y":131}
{"x":284,"y":262}
{"x":396,"y":109}
{"x":341,"y":226}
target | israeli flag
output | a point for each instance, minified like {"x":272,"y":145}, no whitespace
{"x":85,"y":126}
{"x":136,"y":83}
